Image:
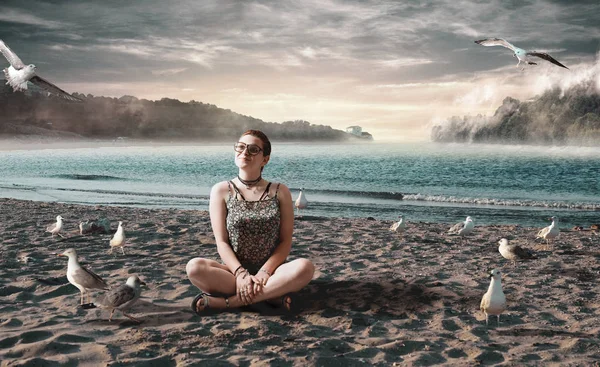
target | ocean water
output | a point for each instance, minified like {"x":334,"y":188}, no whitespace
{"x":429,"y":182}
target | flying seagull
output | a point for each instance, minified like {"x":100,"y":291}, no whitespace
{"x":519,"y":53}
{"x":18,"y":74}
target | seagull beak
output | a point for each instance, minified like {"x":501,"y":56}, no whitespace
{"x":60,"y":255}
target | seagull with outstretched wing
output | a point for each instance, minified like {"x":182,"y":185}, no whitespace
{"x":519,"y":53}
{"x":18,"y":74}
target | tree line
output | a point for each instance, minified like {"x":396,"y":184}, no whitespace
{"x":130,"y":117}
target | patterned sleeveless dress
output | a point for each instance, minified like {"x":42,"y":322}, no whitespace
{"x":253,"y":227}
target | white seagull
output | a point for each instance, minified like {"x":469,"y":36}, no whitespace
{"x":493,"y":301}
{"x":519,"y":53}
{"x":399,"y":226}
{"x":122,"y":297}
{"x":514,"y":252}
{"x":462,"y":228}
{"x":301,"y":202}
{"x":118,"y":239}
{"x":18,"y":74}
{"x":55,"y":228}
{"x":79,"y":276}
{"x":550,"y":232}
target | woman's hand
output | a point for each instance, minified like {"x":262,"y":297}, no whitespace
{"x":260,"y":280}
{"x":244,"y":287}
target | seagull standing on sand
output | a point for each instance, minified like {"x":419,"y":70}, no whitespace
{"x":514,"y":252}
{"x":462,"y":228}
{"x":80,"y":277}
{"x":493,"y":301}
{"x":399,"y":226}
{"x":55,"y":228}
{"x":301,"y":202}
{"x":550,"y":232}
{"x":122,"y":297}
{"x":118,"y":239}
{"x":18,"y":74}
{"x":519,"y":53}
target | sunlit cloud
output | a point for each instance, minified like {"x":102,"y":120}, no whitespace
{"x":168,"y":71}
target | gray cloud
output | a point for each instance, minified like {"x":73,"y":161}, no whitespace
{"x":358,"y":34}
{"x":366,"y":44}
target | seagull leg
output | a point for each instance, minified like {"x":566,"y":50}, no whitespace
{"x":111,"y":315}
{"x":122,"y":250}
{"x":498,"y":321}
{"x":60,"y":235}
{"x":131,"y":317}
{"x":486,"y":319}
{"x":82,"y":297}
{"x":110,"y":252}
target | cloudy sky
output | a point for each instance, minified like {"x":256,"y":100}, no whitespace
{"x":392,"y":67}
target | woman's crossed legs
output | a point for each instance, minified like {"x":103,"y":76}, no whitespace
{"x":212,"y":277}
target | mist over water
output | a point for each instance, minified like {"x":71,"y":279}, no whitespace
{"x":495,"y":184}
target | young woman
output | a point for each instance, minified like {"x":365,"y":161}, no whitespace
{"x":253,"y":221}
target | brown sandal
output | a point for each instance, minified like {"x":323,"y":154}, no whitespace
{"x":284,"y":302}
{"x":205,"y":303}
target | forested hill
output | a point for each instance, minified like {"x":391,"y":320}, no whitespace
{"x":571,"y":116}
{"x":130,"y":117}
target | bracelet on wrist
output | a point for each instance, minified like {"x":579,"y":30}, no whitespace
{"x":265,"y":271}
{"x":237,"y":269}
{"x":244,"y":272}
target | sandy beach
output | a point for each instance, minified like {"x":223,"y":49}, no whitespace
{"x":377,"y":298}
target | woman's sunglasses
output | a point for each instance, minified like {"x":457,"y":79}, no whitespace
{"x":253,"y":149}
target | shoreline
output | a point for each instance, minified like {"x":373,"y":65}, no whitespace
{"x":376,"y":298}
{"x":41,"y":142}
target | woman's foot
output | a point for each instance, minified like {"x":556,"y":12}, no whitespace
{"x":204,"y":301}
{"x":200,"y":303}
{"x":284,"y":302}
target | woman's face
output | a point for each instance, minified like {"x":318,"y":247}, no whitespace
{"x":245,"y":160}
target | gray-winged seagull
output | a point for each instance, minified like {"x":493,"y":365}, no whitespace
{"x":519,"y":53}
{"x":18,"y":74}
{"x":493,"y":301}
{"x":122,"y":297}
{"x":550,"y":232}
{"x":462,"y":228}
{"x":514,"y":252}
{"x":55,"y":228}
{"x":79,"y":276}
